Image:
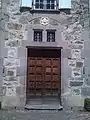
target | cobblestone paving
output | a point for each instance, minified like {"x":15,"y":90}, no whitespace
{"x":43,"y":115}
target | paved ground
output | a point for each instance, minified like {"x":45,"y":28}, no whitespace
{"x":43,"y":115}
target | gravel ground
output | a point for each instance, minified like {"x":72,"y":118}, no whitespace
{"x":43,"y":115}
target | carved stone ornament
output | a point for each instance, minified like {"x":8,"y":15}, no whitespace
{"x":44,"y":21}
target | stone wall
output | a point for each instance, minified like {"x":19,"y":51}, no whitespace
{"x":77,"y":35}
{"x":0,"y":56}
{"x":16,"y":31}
{"x":13,"y":84}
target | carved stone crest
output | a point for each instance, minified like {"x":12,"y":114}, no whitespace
{"x":44,"y":21}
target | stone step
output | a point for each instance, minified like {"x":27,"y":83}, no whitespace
{"x":44,"y":107}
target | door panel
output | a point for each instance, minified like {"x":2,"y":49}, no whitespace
{"x":47,"y":77}
{"x":43,"y":76}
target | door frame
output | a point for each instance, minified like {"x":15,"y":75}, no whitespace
{"x":47,"y":48}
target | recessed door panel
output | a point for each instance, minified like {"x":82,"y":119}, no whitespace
{"x":43,"y":76}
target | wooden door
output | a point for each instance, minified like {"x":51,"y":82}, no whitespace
{"x":51,"y":76}
{"x":43,"y":76}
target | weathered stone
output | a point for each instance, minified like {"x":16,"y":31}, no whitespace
{"x":14,"y":35}
{"x":10,"y":91}
{"x":76,"y":53}
{"x":76,"y":46}
{"x":75,"y":83}
{"x":87,"y":81}
{"x":53,"y":22}
{"x":11,"y":81}
{"x":11,"y":62}
{"x":12,"y":52}
{"x":71,"y":78}
{"x":79,"y":78}
{"x":77,"y":91}
{"x":15,"y":26}
{"x":69,"y":26}
{"x":12,"y":43}
{"x":79,"y":64}
{"x":2,"y":90}
{"x":76,"y":72}
{"x":23,"y":20}
{"x":36,"y":21}
{"x":6,"y":83}
{"x":79,"y":42}
{"x":11,"y":72}
{"x":12,"y":78}
{"x":10,"y":102}
{"x":85,"y":91}
{"x":72,"y":63}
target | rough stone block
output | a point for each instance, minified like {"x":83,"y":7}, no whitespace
{"x":11,"y":62}
{"x":85,"y":91}
{"x":2,"y":90}
{"x":10,"y":101}
{"x":76,"y":83}
{"x":12,"y":43}
{"x":23,"y":20}
{"x":76,"y":101}
{"x":14,"y":18}
{"x":79,"y":78}
{"x":79,"y":42}
{"x":87,"y":81}
{"x":76,"y":46}
{"x":76,"y":72}
{"x":72,"y":63}
{"x":11,"y":91}
{"x":12,"y":52}
{"x":76,"y":79}
{"x":76,"y":53}
{"x":11,"y":81}
{"x":77,"y":91}
{"x":71,"y":78}
{"x":11,"y":71}
{"x":79,"y":64}
{"x":12,"y":35}
{"x":15,"y":26}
